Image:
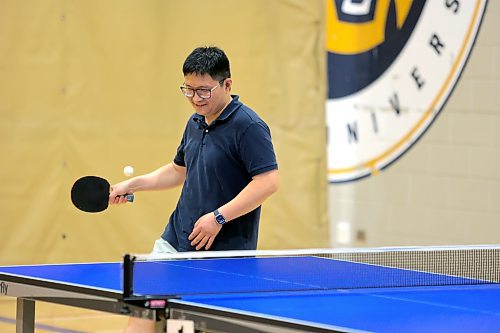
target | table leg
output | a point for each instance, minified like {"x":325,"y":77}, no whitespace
{"x":160,"y":326}
{"x":25,"y":316}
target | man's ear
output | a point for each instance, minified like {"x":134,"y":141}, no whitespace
{"x":228,"y":84}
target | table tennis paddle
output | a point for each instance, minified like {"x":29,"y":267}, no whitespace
{"x":91,"y":194}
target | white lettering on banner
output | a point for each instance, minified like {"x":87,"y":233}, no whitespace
{"x":385,"y":92}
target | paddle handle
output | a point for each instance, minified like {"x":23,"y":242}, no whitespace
{"x":130,"y":197}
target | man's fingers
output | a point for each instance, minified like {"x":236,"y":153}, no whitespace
{"x":197,"y":239}
{"x":203,"y":234}
{"x":209,"y":243}
{"x":119,"y":199}
{"x":202,"y":243}
{"x":194,"y":233}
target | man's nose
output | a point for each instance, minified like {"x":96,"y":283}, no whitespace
{"x":197,"y":98}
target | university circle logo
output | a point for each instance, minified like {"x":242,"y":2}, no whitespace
{"x":392,"y":65}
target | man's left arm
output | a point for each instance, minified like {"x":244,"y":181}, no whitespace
{"x":252,"y":196}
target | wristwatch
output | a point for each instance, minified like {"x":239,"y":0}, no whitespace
{"x":219,"y":218}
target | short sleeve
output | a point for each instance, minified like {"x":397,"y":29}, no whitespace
{"x":256,"y":149}
{"x":179,"y":156}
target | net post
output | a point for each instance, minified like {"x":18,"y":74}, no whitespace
{"x":128,"y":275}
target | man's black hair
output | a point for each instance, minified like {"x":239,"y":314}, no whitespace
{"x":207,"y":60}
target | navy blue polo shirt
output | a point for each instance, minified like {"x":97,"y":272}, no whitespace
{"x":220,"y":159}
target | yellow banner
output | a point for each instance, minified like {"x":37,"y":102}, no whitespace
{"x":87,"y":87}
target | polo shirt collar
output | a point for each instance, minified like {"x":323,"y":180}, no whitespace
{"x":230,"y":109}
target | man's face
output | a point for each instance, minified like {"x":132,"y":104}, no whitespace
{"x":219,"y":95}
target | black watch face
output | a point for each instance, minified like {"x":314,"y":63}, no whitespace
{"x":220,"y":219}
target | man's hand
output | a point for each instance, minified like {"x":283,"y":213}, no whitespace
{"x":204,"y":232}
{"x":118,"y":193}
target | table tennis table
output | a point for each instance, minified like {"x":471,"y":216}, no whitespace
{"x":284,"y":293}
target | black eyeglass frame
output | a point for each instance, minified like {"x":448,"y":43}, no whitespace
{"x":189,"y":92}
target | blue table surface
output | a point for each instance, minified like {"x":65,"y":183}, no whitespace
{"x":417,"y":309}
{"x":305,"y":289}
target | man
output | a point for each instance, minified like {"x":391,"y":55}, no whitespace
{"x":225,"y":163}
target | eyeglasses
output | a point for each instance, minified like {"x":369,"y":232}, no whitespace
{"x":202,"y":92}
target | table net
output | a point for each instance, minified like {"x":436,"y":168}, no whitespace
{"x":312,"y":269}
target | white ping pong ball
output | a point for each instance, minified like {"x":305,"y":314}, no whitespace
{"x":128,"y":171}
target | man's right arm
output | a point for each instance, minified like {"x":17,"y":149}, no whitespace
{"x":168,"y":176}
